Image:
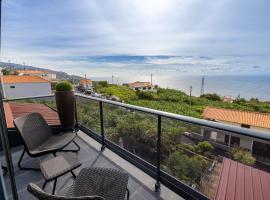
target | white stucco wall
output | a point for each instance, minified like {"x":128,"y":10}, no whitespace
{"x":246,"y":143}
{"x":27,"y":89}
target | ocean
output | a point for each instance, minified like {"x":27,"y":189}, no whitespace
{"x":247,"y":86}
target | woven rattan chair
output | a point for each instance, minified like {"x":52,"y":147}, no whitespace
{"x":91,"y":183}
{"x":38,"y":138}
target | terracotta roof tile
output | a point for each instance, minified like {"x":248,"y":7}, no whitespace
{"x":240,"y":117}
{"x":241,"y":182}
{"x":38,"y":72}
{"x":140,"y":84}
{"x":14,"y":110}
{"x":85,"y":81}
{"x":23,"y":79}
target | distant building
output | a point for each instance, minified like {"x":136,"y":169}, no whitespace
{"x":244,"y":119}
{"x":43,"y":74}
{"x":141,"y":86}
{"x":228,"y":99}
{"x":25,"y":86}
{"x":86,"y":84}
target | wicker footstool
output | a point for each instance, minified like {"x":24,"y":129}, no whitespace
{"x":58,"y":166}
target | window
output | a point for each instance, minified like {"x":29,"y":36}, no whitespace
{"x":235,"y":141}
{"x":12,"y":86}
{"x":227,"y":139}
{"x":245,"y":126}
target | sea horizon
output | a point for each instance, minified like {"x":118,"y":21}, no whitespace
{"x":246,"y":86}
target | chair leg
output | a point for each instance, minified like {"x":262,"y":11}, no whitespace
{"x":54,"y":186}
{"x":43,"y":187}
{"x":4,"y":168}
{"x":73,"y":174}
{"x":128,"y":194}
{"x":25,"y":168}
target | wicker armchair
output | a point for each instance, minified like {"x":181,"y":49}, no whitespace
{"x":91,"y":183}
{"x":38,"y":138}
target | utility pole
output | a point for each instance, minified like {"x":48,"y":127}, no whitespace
{"x":112,"y":79}
{"x":190,"y":92}
{"x":151,"y":79}
{"x":202,"y":86}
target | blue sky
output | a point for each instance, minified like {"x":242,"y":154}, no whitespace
{"x":139,"y":37}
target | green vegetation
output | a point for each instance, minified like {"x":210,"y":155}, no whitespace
{"x":213,"y":97}
{"x":203,"y":148}
{"x":136,"y":131}
{"x":187,"y":168}
{"x":178,"y":102}
{"x":5,"y":71}
{"x":64,"y":86}
{"x":242,"y":156}
{"x":122,"y":92}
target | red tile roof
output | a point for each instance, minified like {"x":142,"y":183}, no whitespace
{"x":140,"y":84}
{"x":14,"y":110}
{"x":37,"y":72}
{"x":241,"y":182}
{"x":85,"y":81}
{"x":23,"y":79}
{"x":240,"y":117}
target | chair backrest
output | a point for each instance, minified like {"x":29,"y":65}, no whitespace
{"x":41,"y":195}
{"x":33,"y":129}
{"x":106,"y":182}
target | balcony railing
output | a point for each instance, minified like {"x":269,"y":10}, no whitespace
{"x":98,"y":118}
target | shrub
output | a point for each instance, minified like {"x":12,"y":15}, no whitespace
{"x":145,"y":95}
{"x":203,"y":148}
{"x":242,"y":156}
{"x":64,"y":86}
{"x":5,"y":71}
{"x":186,"y":168}
{"x":213,"y":97}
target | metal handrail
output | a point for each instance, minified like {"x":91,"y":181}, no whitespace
{"x":263,"y":135}
{"x":155,"y":171}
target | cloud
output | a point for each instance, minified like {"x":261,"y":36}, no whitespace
{"x":187,"y":36}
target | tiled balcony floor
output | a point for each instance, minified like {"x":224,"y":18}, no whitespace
{"x":141,"y":185}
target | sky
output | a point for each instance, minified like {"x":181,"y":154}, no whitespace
{"x":138,"y":37}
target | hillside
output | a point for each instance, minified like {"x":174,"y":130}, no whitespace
{"x":59,"y":74}
{"x":178,"y":102}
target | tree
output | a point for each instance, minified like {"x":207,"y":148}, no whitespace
{"x":6,"y":71}
{"x":242,"y":156}
{"x":213,"y":97}
{"x":145,"y":95}
{"x":186,"y":168}
{"x":103,"y":83}
{"x":203,"y":148}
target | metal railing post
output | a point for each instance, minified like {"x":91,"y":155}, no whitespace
{"x":101,"y":125}
{"x":157,"y":185}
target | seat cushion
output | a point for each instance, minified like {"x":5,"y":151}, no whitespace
{"x":55,"y":142}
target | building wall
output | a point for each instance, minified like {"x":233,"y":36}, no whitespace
{"x":87,"y":86}
{"x":245,"y":142}
{"x":27,"y":89}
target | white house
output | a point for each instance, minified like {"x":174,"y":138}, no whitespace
{"x":25,"y":86}
{"x":86,"y":84}
{"x":48,"y":75}
{"x":142,"y":86}
{"x":244,"y":119}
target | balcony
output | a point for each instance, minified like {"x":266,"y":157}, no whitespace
{"x":150,"y":145}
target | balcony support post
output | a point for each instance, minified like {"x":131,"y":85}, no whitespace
{"x":157,"y":185}
{"x":101,"y":125}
